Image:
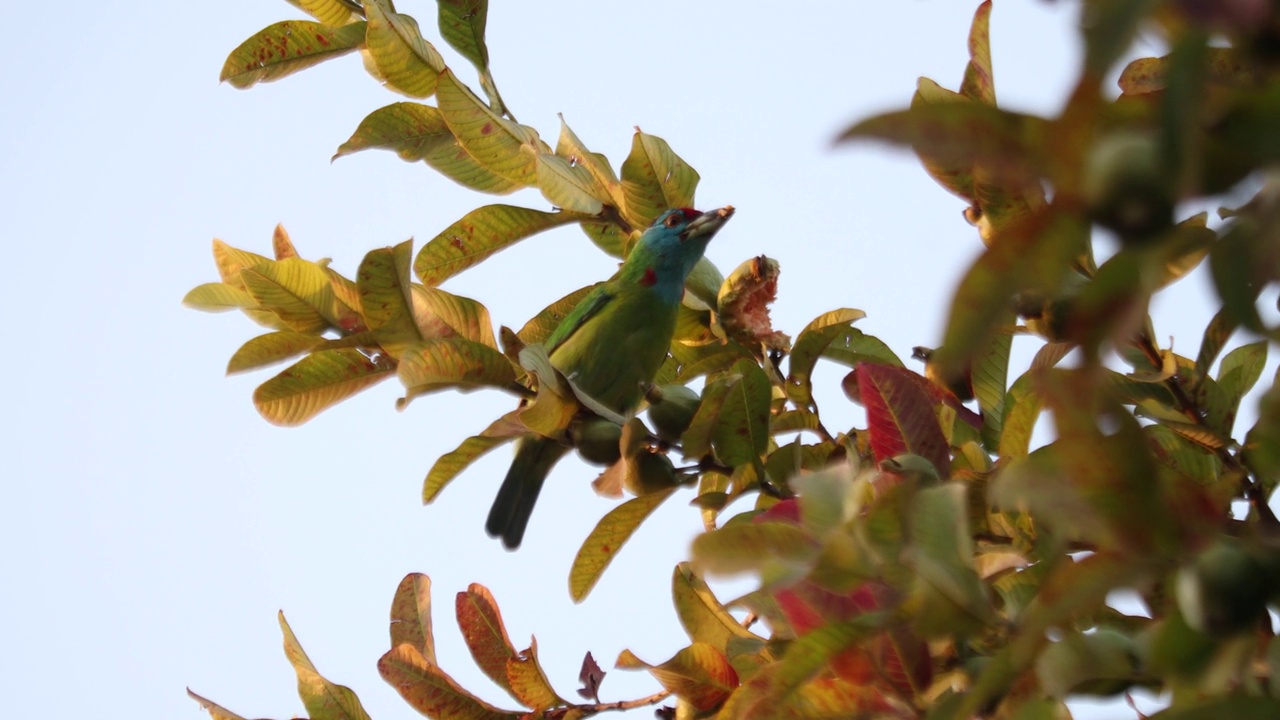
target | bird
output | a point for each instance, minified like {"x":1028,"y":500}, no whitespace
{"x":611,"y":345}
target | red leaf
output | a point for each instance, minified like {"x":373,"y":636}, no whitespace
{"x":900,"y":415}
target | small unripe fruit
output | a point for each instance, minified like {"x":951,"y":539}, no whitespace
{"x":1127,"y":186}
{"x":597,"y":441}
{"x":649,"y":472}
{"x":671,"y":409}
{"x":1225,"y":590}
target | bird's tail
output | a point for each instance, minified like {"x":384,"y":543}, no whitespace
{"x":511,"y":509}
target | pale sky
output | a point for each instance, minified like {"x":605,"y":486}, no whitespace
{"x":155,"y":523}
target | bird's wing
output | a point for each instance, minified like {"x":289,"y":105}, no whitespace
{"x":590,"y":305}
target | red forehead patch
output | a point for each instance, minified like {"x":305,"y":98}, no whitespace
{"x":689,"y":213}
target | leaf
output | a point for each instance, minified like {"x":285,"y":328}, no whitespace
{"x":1216,"y":335}
{"x":528,"y":681}
{"x":1237,"y":707}
{"x":979,"y":79}
{"x":386,"y":298}
{"x":216,"y":711}
{"x":411,"y":616}
{"x":699,"y":674}
{"x":317,"y":382}
{"x":447,"y":467}
{"x":1022,"y":409}
{"x":231,"y":261}
{"x":745,"y":546}
{"x":701,"y":614}
{"x":485,"y":634}
{"x":1240,"y":370}
{"x":567,"y":185}
{"x":941,"y":554}
{"x":330,"y":12}
{"x":271,"y":348}
{"x":590,"y":676}
{"x":989,"y":375}
{"x":809,"y":346}
{"x":479,"y":234}
{"x":654,"y":179}
{"x":324,"y":700}
{"x":405,"y":62}
{"x":297,"y":291}
{"x":443,"y":314}
{"x":540,"y":326}
{"x":607,"y":538}
{"x":285,"y":48}
{"x":218,"y":297}
{"x":437,"y":364}
{"x":741,"y":434}
{"x":498,"y":144}
{"x":604,"y":185}
{"x":853,"y":346}
{"x":462,"y":25}
{"x":430,"y":691}
{"x":281,"y":245}
{"x":900,"y":416}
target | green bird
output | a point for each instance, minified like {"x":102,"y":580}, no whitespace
{"x":611,"y":345}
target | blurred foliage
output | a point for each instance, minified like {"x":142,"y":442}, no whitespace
{"x":933,"y":563}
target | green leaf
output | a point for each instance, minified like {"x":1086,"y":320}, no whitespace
{"x":1216,"y":335}
{"x":741,"y":431}
{"x":317,"y":382}
{"x":745,"y":546}
{"x":479,"y":234}
{"x":990,"y":376}
{"x":287,"y":47}
{"x":430,"y":691}
{"x":854,"y":346}
{"x":386,"y":298}
{"x":485,"y":634}
{"x":443,"y":314}
{"x":462,"y":24}
{"x":604,"y":185}
{"x":1021,"y":411}
{"x":271,"y":348}
{"x":810,"y":345}
{"x":411,"y":615}
{"x":297,"y":291}
{"x":1100,"y":663}
{"x":607,"y":538}
{"x":941,"y":554}
{"x":502,"y":146}
{"x":702,"y":615}
{"x":607,"y":235}
{"x":568,"y":186}
{"x":231,"y":261}
{"x":1109,"y":29}
{"x":330,"y":12}
{"x":654,"y":179}
{"x":402,"y":59}
{"x":324,"y":700}
{"x":449,"y":465}
{"x":1240,"y":370}
{"x":218,"y":297}
{"x":440,"y":363}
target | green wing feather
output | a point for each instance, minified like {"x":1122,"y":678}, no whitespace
{"x":586,"y":309}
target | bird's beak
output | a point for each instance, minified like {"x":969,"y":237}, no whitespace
{"x":708,"y":223}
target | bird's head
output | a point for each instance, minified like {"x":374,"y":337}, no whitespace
{"x":672,"y":245}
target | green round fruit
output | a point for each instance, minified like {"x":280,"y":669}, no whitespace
{"x":671,"y":409}
{"x":597,"y":441}
{"x":1127,"y":187}
{"x":650,"y":472}
{"x":1225,"y":590}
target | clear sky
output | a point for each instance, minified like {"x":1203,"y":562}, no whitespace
{"x":154,"y":524}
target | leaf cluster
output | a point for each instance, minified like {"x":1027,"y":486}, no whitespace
{"x":931,"y":563}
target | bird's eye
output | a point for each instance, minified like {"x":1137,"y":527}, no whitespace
{"x":672,"y":220}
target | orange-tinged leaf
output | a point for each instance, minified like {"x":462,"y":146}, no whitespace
{"x":699,"y":674}
{"x":484,"y":633}
{"x":315,"y":383}
{"x":403,"y":60}
{"x":230,"y":261}
{"x":386,"y":298}
{"x":411,"y":616}
{"x":282,"y":245}
{"x":528,"y":683}
{"x":219,"y":297}
{"x":479,"y":234}
{"x":271,"y":348}
{"x":287,"y":47}
{"x":437,"y":364}
{"x":324,"y":700}
{"x":495,"y":142}
{"x":900,"y":416}
{"x":443,"y":314}
{"x":703,"y":616}
{"x":979,"y":79}
{"x":607,"y":538}
{"x":216,"y":711}
{"x":430,"y":691}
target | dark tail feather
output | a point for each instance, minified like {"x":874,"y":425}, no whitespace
{"x":511,"y":509}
